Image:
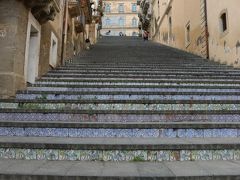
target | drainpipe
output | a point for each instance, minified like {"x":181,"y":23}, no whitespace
{"x":206,"y":28}
{"x":84,"y":23}
{"x":64,"y":31}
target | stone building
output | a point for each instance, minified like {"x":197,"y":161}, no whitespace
{"x":204,"y":27}
{"x":96,"y":25}
{"x":120,"y":18}
{"x":38,"y":35}
{"x":224,"y":31}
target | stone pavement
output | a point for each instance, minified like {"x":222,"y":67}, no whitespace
{"x":201,"y":170}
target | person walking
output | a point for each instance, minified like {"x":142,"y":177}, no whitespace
{"x":145,"y":35}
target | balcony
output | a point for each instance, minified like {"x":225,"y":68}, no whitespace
{"x":138,"y":2}
{"x":79,"y":27}
{"x":96,"y":19}
{"x":74,"y":8}
{"x":43,"y":10}
{"x":145,"y":7}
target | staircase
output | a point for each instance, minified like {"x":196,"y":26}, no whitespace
{"x":126,"y":109}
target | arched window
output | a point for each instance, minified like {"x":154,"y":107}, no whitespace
{"x":223,"y":22}
{"x":134,"y":22}
{"x":108,"y":22}
{"x":108,"y":8}
{"x":121,"y":21}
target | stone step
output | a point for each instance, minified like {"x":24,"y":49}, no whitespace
{"x":138,"y":84}
{"x":143,"y":78}
{"x":159,"y":66}
{"x":119,"y":149}
{"x":123,"y":105}
{"x":78,"y":61}
{"x":166,"y":63}
{"x":130,"y":93}
{"x":99,"y":80}
{"x":120,"y":130}
{"x":131,"y":86}
{"x":142,"y":59}
{"x":133,"y":60}
{"x":156,"y":67}
{"x":147,"y":69}
{"x":75,"y":170}
{"x":141,"y":72}
{"x":135,"y":76}
{"x":122,"y":125}
{"x":112,"y":101}
{"x":122,"y":96}
{"x":118,"y":116}
{"x":145,"y":89}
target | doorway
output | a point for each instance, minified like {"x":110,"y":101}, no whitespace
{"x":53,"y":51}
{"x":32,"y":50}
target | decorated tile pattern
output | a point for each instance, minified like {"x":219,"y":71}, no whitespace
{"x":127,"y":107}
{"x":176,"y":89}
{"x":121,"y":133}
{"x":179,"y":84}
{"x":118,"y":155}
{"x":124,"y":97}
{"x":118,"y":117}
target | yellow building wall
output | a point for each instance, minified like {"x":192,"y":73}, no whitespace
{"x":114,"y":5}
{"x":114,"y":16}
{"x":224,"y":48}
{"x":181,"y":13}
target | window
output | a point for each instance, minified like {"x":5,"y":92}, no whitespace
{"x":170,"y":26}
{"x":188,"y":35}
{"x":108,"y":22}
{"x":121,"y":21}
{"x":121,"y":7}
{"x":223,"y":22}
{"x":134,"y":34}
{"x":108,"y":8}
{"x":134,"y":7}
{"x":134,"y":22}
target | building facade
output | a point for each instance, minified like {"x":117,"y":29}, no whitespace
{"x":204,"y":27}
{"x":224,"y":31}
{"x":39,"y":35}
{"x":120,"y":18}
{"x":96,"y":25}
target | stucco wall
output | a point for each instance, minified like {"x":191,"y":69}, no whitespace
{"x":224,"y":48}
{"x":46,"y":30}
{"x":13,"y":31}
{"x":74,"y":40}
{"x":181,"y":12}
